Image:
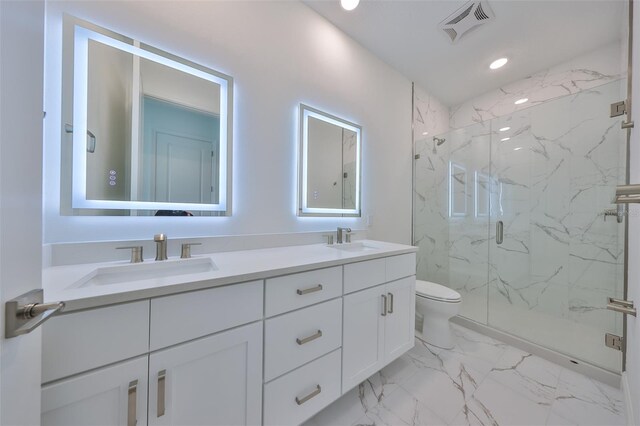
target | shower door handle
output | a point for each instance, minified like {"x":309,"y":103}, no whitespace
{"x":499,"y":232}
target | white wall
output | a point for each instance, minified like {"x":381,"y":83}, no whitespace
{"x":109,"y":88}
{"x":324,"y":172}
{"x":21,"y":67}
{"x":279,"y":54}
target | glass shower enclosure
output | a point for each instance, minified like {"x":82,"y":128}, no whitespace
{"x":516,"y":213}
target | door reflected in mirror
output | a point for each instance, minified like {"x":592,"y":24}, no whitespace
{"x":329,"y":165}
{"x":150,"y":130}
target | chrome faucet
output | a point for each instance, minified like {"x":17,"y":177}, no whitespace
{"x":161,"y":246}
{"x":341,"y":232}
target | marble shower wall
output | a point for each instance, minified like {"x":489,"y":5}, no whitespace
{"x":549,"y":183}
{"x":554,"y":178}
{"x":430,"y":221}
{"x":582,"y":73}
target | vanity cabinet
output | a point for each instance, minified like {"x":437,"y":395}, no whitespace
{"x":379,"y":320}
{"x":114,"y":395}
{"x":216,"y":380}
{"x":272,"y":351}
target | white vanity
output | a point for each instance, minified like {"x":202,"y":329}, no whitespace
{"x":268,"y":336}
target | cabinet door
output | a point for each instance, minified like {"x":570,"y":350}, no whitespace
{"x":400,"y":319}
{"x":363,"y":335}
{"x":216,"y":380}
{"x":115,"y":395}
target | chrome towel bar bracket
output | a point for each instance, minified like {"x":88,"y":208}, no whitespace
{"x":25,"y":313}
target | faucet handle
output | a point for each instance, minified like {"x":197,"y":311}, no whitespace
{"x":160,"y":237}
{"x":347,"y":237}
{"x":136,"y":253}
{"x":329,"y":238}
{"x":185,"y":252}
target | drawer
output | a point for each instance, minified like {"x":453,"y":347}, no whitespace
{"x":298,"y":337}
{"x":297,"y":396}
{"x":361,"y":275}
{"x":401,"y":266}
{"x":187,"y":316}
{"x":80,"y":341}
{"x":295,"y":291}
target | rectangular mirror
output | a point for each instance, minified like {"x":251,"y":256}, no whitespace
{"x":151,"y":132}
{"x":329,"y":165}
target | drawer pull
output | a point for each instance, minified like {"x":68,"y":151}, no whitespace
{"x":309,"y":290}
{"x":384,"y":305}
{"x":132,"y":403}
{"x":390,"y":303}
{"x":310,"y":338}
{"x":316,"y":392}
{"x":162,"y":379}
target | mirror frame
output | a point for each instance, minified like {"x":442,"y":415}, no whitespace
{"x":82,"y":32}
{"x":303,"y":209}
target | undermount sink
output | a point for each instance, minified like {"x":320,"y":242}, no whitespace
{"x":118,"y":274}
{"x":356,"y":246}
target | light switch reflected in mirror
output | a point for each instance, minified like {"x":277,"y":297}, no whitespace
{"x":161,"y":126}
{"x":329,"y":165}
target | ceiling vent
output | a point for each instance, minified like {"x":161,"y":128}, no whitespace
{"x":468,"y":17}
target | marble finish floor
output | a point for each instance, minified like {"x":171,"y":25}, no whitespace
{"x":481,"y":381}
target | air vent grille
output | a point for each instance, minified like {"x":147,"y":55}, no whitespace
{"x":468,"y":17}
{"x":479,"y":13}
{"x":451,"y":33}
{"x":461,"y":16}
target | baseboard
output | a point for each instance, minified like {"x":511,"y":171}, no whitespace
{"x":605,"y":376}
{"x":628,"y":401}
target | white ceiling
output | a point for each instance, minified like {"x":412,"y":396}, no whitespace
{"x":533,"y":34}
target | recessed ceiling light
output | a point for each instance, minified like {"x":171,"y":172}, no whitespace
{"x":498,"y":63}
{"x":521,"y":101}
{"x":349,"y":4}
{"x":504,"y":129}
{"x":425,"y":133}
{"x":504,"y":139}
{"x":517,"y":149}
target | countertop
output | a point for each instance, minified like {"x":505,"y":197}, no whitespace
{"x":60,"y":283}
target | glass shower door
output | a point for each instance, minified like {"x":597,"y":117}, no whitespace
{"x":554,"y":169}
{"x":451,"y":213}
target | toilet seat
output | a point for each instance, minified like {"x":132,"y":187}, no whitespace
{"x":438,"y":292}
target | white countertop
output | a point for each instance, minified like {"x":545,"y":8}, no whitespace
{"x":60,"y":282}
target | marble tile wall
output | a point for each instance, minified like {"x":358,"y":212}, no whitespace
{"x":581,"y":73}
{"x":550,"y":183}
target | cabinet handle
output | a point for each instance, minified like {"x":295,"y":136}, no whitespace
{"x":132,"y":404}
{"x":309,"y":290}
{"x":384,"y":305}
{"x":162,"y":379}
{"x":301,"y":401}
{"x":310,"y":338}
{"x":390,"y":302}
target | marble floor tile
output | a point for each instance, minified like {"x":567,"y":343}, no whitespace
{"x":481,"y":381}
{"x":410,"y":410}
{"x":531,"y":376}
{"x":445,"y":387}
{"x":496,"y":404}
{"x":582,"y":400}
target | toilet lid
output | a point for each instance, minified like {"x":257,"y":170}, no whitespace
{"x":436,"y":291}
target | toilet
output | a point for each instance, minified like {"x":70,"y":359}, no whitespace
{"x":435,"y":304}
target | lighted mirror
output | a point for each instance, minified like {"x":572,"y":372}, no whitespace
{"x":329,"y":165}
{"x":151,"y":132}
